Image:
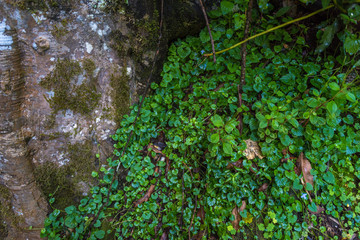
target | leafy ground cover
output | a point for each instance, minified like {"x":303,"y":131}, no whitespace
{"x":294,"y":169}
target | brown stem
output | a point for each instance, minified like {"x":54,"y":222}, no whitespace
{"x":243,"y":62}
{"x":208,"y":27}
{"x":192,"y":219}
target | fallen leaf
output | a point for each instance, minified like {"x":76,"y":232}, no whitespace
{"x":243,"y":206}
{"x":252,"y":150}
{"x":237,"y":164}
{"x":164,"y":236}
{"x":263,"y":187}
{"x":237,"y":218}
{"x":305,"y":169}
{"x":201,"y":214}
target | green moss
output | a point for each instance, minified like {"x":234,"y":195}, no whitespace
{"x":56,"y":181}
{"x":80,"y":98}
{"x":143,"y":36}
{"x":44,"y":5}
{"x":89,"y":67}
{"x":6,"y":212}
{"x":61,"y":182}
{"x":54,"y":135}
{"x":120,"y":93}
{"x":60,"y":29}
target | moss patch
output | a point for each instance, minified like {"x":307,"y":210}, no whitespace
{"x":6,"y":212}
{"x":120,"y":93}
{"x":60,"y":29}
{"x":61,"y":182}
{"x":68,"y":93}
{"x":143,"y":36}
{"x":44,"y":5}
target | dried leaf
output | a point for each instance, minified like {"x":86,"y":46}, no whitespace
{"x":164,"y":236}
{"x":263,"y":187}
{"x":237,"y":164}
{"x":201,"y":214}
{"x":237,"y":218}
{"x":252,"y":150}
{"x":305,"y":169}
{"x":243,"y":206}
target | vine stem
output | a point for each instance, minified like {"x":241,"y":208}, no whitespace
{"x":271,"y":29}
{"x":208,"y":27}
{"x":243,"y":63}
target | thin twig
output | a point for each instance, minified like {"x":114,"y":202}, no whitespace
{"x":192,"y":219}
{"x":208,"y":27}
{"x":137,"y":115}
{"x":243,"y":62}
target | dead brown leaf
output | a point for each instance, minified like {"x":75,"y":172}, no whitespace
{"x":252,"y":150}
{"x":305,"y":169}
{"x":263,"y":187}
{"x":237,"y":164}
{"x":237,"y":218}
{"x":243,"y":206}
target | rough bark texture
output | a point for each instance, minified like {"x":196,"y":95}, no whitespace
{"x":68,"y":72}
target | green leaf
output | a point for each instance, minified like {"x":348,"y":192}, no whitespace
{"x":329,"y":177}
{"x":334,"y":86}
{"x":100,"y":234}
{"x":292,"y":218}
{"x":215,"y":138}
{"x":327,"y":37}
{"x":294,"y":122}
{"x":351,"y":44}
{"x":263,"y":123}
{"x":297,"y":185}
{"x":285,"y":139}
{"x":351,"y":97}
{"x":226,"y":7}
{"x":146,"y":215}
{"x":217,"y":121}
{"x":312,"y":207}
{"x":309,"y":187}
{"x":227,"y":148}
{"x":261,"y":227}
{"x":183,"y":51}
{"x":211,"y":201}
{"x":204,"y":36}
{"x":331,"y":107}
{"x":325,"y":3}
{"x":356,"y":64}
{"x":70,"y":209}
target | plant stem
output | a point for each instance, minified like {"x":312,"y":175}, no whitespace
{"x":270,"y":30}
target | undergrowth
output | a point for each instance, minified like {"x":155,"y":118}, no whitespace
{"x":300,"y":107}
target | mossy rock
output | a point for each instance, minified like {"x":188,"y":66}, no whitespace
{"x":68,"y":93}
{"x":120,"y":93}
{"x":62,"y":182}
{"x":7,"y":216}
{"x":45,"y":5}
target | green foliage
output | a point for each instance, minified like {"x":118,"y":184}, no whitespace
{"x":292,"y":102}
